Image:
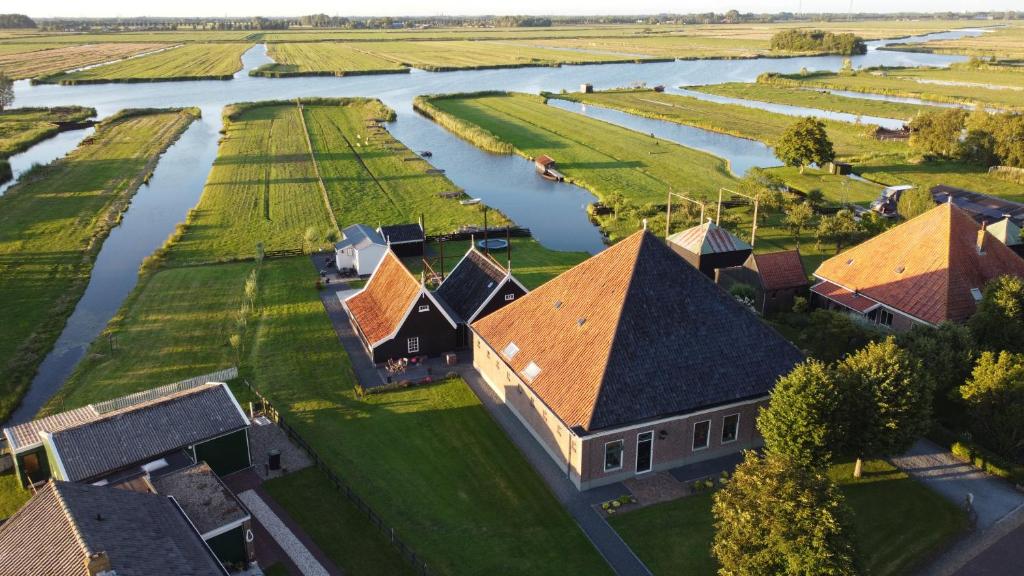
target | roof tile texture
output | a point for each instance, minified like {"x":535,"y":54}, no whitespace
{"x":471,"y":283}
{"x":380,"y":307}
{"x":780,"y":270}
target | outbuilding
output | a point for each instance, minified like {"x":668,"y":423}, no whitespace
{"x":776,"y":277}
{"x":404,"y":239}
{"x":361,"y":249}
{"x":477,"y":286}
{"x":708,"y":247}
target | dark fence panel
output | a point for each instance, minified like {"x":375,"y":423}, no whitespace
{"x":388,"y":532}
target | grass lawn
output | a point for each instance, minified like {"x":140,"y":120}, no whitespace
{"x":34,"y":64}
{"x":20,"y":128}
{"x":52,"y":226}
{"x":12,"y":495}
{"x":743,"y":121}
{"x":812,"y":99}
{"x":929,"y":174}
{"x":664,"y":46}
{"x":839,"y":189}
{"x":1004,"y":43}
{"x":445,"y":55}
{"x":189,"y":62}
{"x":604,"y":158}
{"x":897,"y":523}
{"x":324,"y":58}
{"x":338,"y":527}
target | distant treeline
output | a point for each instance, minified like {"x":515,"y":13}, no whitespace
{"x":337,"y":21}
{"x":16,"y":21}
{"x":818,"y":41}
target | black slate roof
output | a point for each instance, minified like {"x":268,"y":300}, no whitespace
{"x":142,"y":534}
{"x":140,"y":433}
{"x":473,"y":280}
{"x":398,"y":233}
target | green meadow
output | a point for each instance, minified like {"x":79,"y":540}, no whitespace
{"x":809,"y":98}
{"x":324,"y":59}
{"x":188,"y":62}
{"x":39,"y":63}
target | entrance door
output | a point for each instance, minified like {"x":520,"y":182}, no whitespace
{"x":644,"y":451}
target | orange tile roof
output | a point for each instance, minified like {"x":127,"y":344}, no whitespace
{"x":852,"y":300}
{"x":780,"y":270}
{"x":925,"y":267}
{"x":380,"y":307}
{"x":636,"y":333}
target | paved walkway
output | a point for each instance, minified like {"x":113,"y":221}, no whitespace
{"x":303,"y":559}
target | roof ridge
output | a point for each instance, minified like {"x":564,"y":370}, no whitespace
{"x":70,"y":518}
{"x":104,"y":416}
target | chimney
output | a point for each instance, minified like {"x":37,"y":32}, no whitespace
{"x":98,"y":564}
{"x":981,"y":239}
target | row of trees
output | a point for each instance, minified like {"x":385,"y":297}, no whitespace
{"x":16,"y":21}
{"x":795,"y":40}
{"x":980,"y":137}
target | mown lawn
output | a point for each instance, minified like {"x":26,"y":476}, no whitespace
{"x":929,"y":174}
{"x":897,"y":523}
{"x":51,"y":228}
{"x":849,"y":139}
{"x":297,"y":58}
{"x":12,"y":495}
{"x":604,"y":158}
{"x":812,"y":99}
{"x":191,"y":61}
{"x":444,"y":55}
{"x":839,"y":189}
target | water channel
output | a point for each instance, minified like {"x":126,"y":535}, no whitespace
{"x":555,"y":212}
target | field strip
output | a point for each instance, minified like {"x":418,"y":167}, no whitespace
{"x":316,"y":167}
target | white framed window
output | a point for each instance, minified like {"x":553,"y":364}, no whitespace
{"x":510,"y":297}
{"x":644,"y":451}
{"x":511,"y":350}
{"x":423,"y":308}
{"x":531,"y":371}
{"x":613,"y":455}
{"x":413,"y":344}
{"x":884,"y":317}
{"x":701,"y":434}
{"x":730,"y":428}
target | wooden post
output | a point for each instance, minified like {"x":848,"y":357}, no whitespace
{"x":668,"y":215}
{"x":718,"y":217}
{"x":753,"y":229}
{"x":508,"y":240}
{"x":487,"y":248}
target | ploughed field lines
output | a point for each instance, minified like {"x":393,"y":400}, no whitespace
{"x":324,"y":59}
{"x":37,"y":63}
{"x":186,"y":62}
{"x":51,"y":228}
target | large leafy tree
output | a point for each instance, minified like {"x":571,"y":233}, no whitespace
{"x":998,"y":324}
{"x":937,"y":133}
{"x":994,"y":396}
{"x":798,"y":218}
{"x":887,"y":403}
{"x":805,"y":142}
{"x":6,"y":92}
{"x":914,"y":202}
{"x":803,"y":418}
{"x":946,"y":354}
{"x":840,"y":228}
{"x":778,"y":518}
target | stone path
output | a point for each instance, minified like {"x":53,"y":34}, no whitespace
{"x":295,"y":549}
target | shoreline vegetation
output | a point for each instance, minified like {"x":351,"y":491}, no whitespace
{"x":48,"y":263}
{"x":22,"y":128}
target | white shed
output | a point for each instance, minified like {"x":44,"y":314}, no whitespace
{"x":361,"y":249}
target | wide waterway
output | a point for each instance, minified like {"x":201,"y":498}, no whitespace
{"x":555,"y":212}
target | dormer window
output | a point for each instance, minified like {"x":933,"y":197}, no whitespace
{"x":976,"y":293}
{"x":531,"y":371}
{"x":511,"y":350}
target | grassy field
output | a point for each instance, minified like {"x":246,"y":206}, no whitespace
{"x":324,"y":59}
{"x":671,"y":47}
{"x":52,"y":226}
{"x":20,"y":48}
{"x":20,"y":128}
{"x":812,"y":99}
{"x":1002,"y":43}
{"x":34,"y":64}
{"x":12,"y":495}
{"x":850,"y":140}
{"x":929,"y":174}
{"x":992,"y":87}
{"x":601,"y":157}
{"x":263,"y":187}
{"x":898,"y":522}
{"x":839,"y":189}
{"x":189,"y":62}
{"x":439,"y":56}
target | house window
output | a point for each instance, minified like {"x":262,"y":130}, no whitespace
{"x":701,"y":434}
{"x":423,"y":308}
{"x":511,"y":350}
{"x":884,"y":317}
{"x":510,"y":297}
{"x":730,"y":428}
{"x":30,"y":464}
{"x":413,"y":344}
{"x":613,"y":456}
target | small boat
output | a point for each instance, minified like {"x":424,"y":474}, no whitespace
{"x":469,"y":202}
{"x":426,"y":153}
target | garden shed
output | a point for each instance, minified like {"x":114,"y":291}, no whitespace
{"x":404,"y":239}
{"x":776,"y":277}
{"x":361,"y":249}
{"x":477,"y":286}
{"x":709,"y":247}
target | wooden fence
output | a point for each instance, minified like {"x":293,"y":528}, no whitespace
{"x":388,"y":532}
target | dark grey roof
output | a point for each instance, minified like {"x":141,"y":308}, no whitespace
{"x":141,"y":534}
{"x":205,"y":499}
{"x":398,"y":233}
{"x":140,"y":433}
{"x":683,"y":344}
{"x":471,"y":283}
{"x":359,"y":236}
{"x":981,"y":207}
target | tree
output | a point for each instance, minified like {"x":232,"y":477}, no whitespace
{"x":995,"y":400}
{"x":1009,"y":140}
{"x":914,"y":202}
{"x":805,"y":142}
{"x":779,"y":518}
{"x":946,"y":354}
{"x":937,"y":133}
{"x":840,"y":228}
{"x":887,"y":402}
{"x":801,"y":421}
{"x":998,"y":323}
{"x":798,"y":217}
{"x":6,"y":92}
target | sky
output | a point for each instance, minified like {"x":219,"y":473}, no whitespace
{"x":106,"y":8}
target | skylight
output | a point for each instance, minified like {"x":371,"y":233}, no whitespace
{"x":976,"y":293}
{"x":531,"y":371}
{"x":511,"y":350}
